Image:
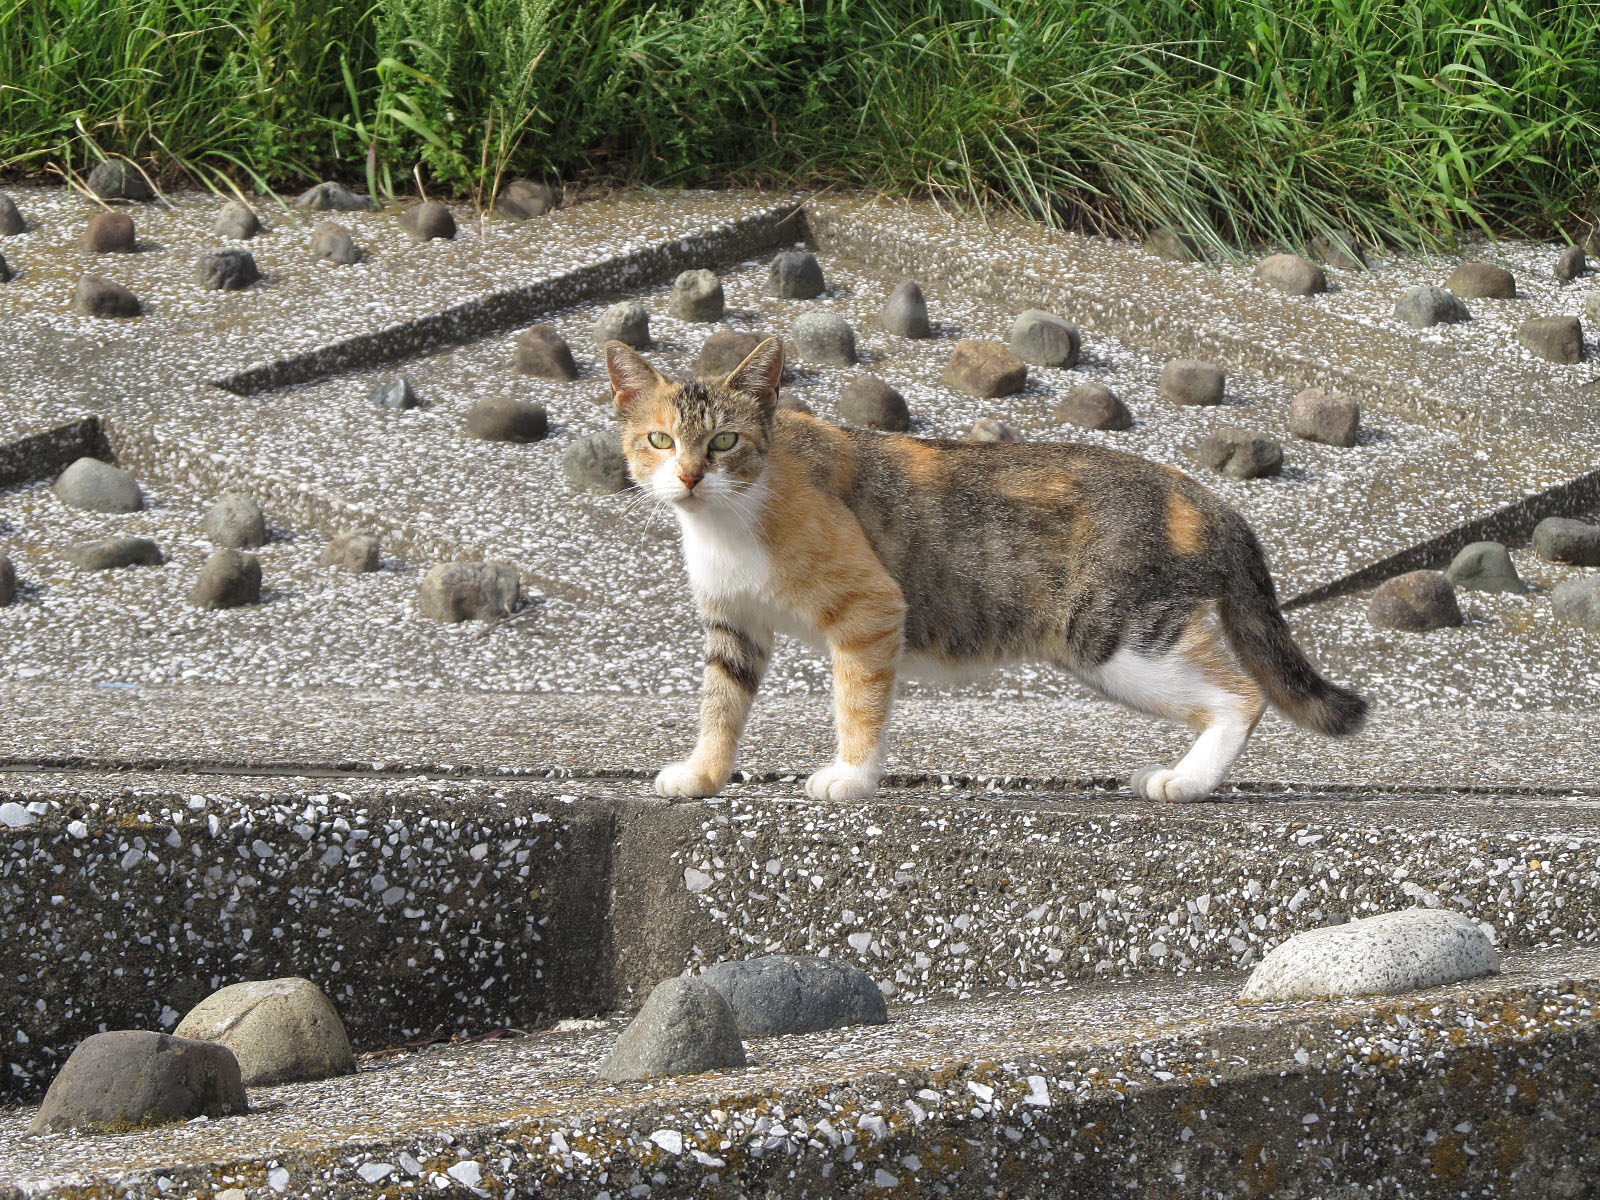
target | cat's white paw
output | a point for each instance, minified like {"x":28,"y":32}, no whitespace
{"x":841,"y":781}
{"x":685,"y":781}
{"x":1163,"y":783}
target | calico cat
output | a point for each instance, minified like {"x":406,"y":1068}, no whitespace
{"x":904,"y":555}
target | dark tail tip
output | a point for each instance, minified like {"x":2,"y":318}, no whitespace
{"x":1336,"y":711}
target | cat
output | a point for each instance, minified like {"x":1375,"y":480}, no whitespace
{"x":905,"y":555}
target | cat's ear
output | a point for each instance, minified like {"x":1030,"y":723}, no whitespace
{"x":760,"y":373}
{"x":631,"y":376}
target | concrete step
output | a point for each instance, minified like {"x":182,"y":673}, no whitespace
{"x":1158,"y":1089}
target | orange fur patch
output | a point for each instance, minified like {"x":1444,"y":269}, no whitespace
{"x":1186,"y":527}
{"x":1204,"y":646}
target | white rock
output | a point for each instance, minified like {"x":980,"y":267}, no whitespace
{"x":14,"y":816}
{"x":1392,"y":952}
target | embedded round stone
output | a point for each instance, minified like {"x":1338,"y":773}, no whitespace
{"x":5,"y":270}
{"x":427,"y":221}
{"x":1571,"y":263}
{"x":696,"y":296}
{"x":1415,"y":602}
{"x":1190,"y":381}
{"x":115,"y":179}
{"x":1167,"y":242}
{"x":1375,"y":956}
{"x":871,"y":403}
{"x":280,"y":1031}
{"x":795,"y":275}
{"x":1317,"y":416}
{"x":107,"y":554}
{"x":469,"y":591}
{"x":1558,"y":339}
{"x":595,"y":463}
{"x":1425,"y":305}
{"x":1563,"y":540}
{"x":824,"y":337}
{"x":1093,"y":406}
{"x":507,"y":419}
{"x":1339,"y":249}
{"x":397,"y":394}
{"x":332,"y":241}
{"x":522,"y":199}
{"x":1044,"y":339}
{"x":236,"y":520}
{"x":334,"y":197}
{"x":1484,"y":567}
{"x":993,"y":429}
{"x":905,"y":312}
{"x":1481,"y":280}
{"x":1591,"y":305}
{"x":1239,"y":454}
{"x":228,"y":270}
{"x":109,"y":233}
{"x":133,"y":1078}
{"x":792,"y":993}
{"x":544,"y":352}
{"x":356,"y":550}
{"x":789,"y":402}
{"x":725,"y":350}
{"x":684,"y":1028}
{"x":1292,"y":274}
{"x":98,"y":487}
{"x":228,"y":579}
{"x":93,"y":296}
{"x":984,"y":369}
{"x":1577,"y":601}
{"x":8,"y":581}
{"x":11,"y":222}
{"x":236,"y":220}
{"x":626,"y":321}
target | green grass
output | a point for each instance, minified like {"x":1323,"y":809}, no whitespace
{"x":1264,"y":121}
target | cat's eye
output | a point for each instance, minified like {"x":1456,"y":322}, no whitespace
{"x":724,"y":441}
{"x":661,"y":441}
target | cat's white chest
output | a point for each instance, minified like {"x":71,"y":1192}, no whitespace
{"x":725,"y":558}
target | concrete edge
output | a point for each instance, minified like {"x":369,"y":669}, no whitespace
{"x":42,"y":454}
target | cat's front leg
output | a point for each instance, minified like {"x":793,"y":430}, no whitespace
{"x":866,"y":655}
{"x":736,"y":658}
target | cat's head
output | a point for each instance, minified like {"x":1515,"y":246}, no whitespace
{"x":696,"y":444}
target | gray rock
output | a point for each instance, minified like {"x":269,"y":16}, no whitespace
{"x":1190,"y":381}
{"x":227,"y":270}
{"x":993,"y":429}
{"x":984,"y":369}
{"x":684,"y":1028}
{"x":1577,"y":601}
{"x":1339,"y":249}
{"x":5,"y":270}
{"x":825,"y":337}
{"x":236,"y":220}
{"x":1563,"y":540}
{"x":1093,"y":406}
{"x":1174,"y":244}
{"x":1572,"y":263}
{"x":94,"y":296}
{"x":1484,"y":567}
{"x":334,"y":197}
{"x":626,"y":321}
{"x":871,"y":403}
{"x":109,"y":233}
{"x":8,"y":581}
{"x":1317,"y":416}
{"x":1475,"y":280}
{"x":469,"y":591}
{"x":227,"y":579}
{"x":506,"y":419}
{"x":1426,"y":305}
{"x":791,"y":993}
{"x":428,"y":220}
{"x":596,"y":464}
{"x":11,"y":222}
{"x":725,"y":350}
{"x":236,"y":520}
{"x":795,"y":275}
{"x":1044,"y":339}
{"x":131,"y":1078}
{"x":105,"y":554}
{"x":355,"y":551}
{"x":332,"y":241}
{"x":522,"y":199}
{"x":1292,"y":274}
{"x":543,"y":352}
{"x":115,"y":179}
{"x":1558,"y":339}
{"x":397,"y":394}
{"x":1591,"y":305}
{"x":99,"y":487}
{"x":1392,"y":952}
{"x":905,"y":312}
{"x":1591,"y":244}
{"x":792,"y":403}
{"x":696,"y":296}
{"x":279,"y":1030}
{"x":1239,"y":454}
{"x":1415,"y":601}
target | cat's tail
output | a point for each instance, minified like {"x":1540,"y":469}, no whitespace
{"x":1261,"y":639}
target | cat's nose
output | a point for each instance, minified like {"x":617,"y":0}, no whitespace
{"x":690,"y":480}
